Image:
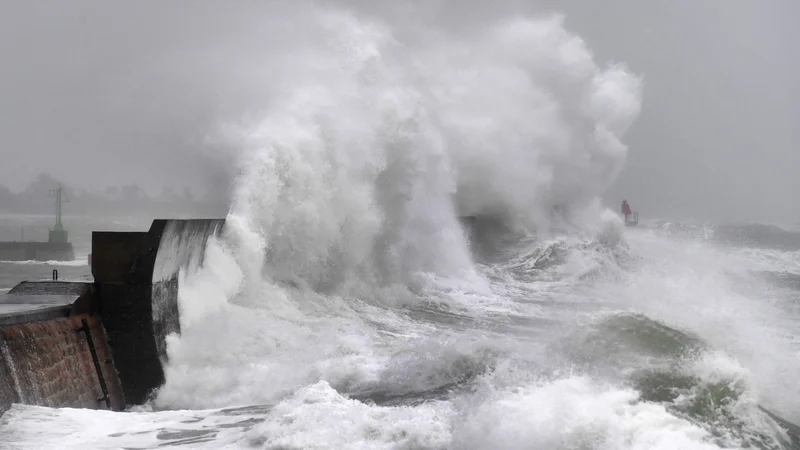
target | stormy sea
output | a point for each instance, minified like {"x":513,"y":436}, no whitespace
{"x":416,"y":257}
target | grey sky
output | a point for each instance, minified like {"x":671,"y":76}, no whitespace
{"x":102,"y":93}
{"x":720,"y":126}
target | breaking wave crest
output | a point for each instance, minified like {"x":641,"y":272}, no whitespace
{"x":359,"y":172}
{"x":416,"y":257}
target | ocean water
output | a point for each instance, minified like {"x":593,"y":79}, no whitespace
{"x":15,"y":227}
{"x":415,"y":257}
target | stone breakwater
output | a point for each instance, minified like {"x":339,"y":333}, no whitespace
{"x":100,"y":344}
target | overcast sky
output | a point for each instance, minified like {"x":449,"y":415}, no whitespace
{"x":719,"y":133}
{"x":101,"y":93}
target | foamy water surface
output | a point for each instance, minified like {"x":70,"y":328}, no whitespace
{"x":349,"y":305}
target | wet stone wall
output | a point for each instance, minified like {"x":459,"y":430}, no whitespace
{"x":50,"y":363}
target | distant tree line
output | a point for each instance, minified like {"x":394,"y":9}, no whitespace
{"x":128,"y":200}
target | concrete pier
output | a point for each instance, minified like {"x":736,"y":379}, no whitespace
{"x":53,"y":350}
{"x":100,"y":344}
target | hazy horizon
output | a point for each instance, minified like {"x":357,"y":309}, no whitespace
{"x":100,"y":94}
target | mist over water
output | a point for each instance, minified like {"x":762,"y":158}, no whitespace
{"x":350,"y":304}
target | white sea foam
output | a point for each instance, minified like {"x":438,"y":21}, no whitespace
{"x":574,"y":412}
{"x":77,"y":262}
{"x":352,"y":184}
{"x":343,"y":277}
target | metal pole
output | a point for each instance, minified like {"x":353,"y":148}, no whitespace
{"x":58,"y":208}
{"x":88,"y":332}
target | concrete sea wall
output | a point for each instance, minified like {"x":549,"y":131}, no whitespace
{"x":136,"y":283}
{"x":102,"y":344}
{"x":51,"y":363}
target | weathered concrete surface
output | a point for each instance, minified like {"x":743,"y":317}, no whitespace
{"x":50,"y":364}
{"x":37,"y":301}
{"x":45,"y":356}
{"x":136,"y":283}
{"x":36,"y":251}
{"x":51,"y":288}
{"x":34,"y":297}
{"x":34,"y":300}
{"x":113,"y":254}
{"x":182,"y":246}
{"x":11,"y":314}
